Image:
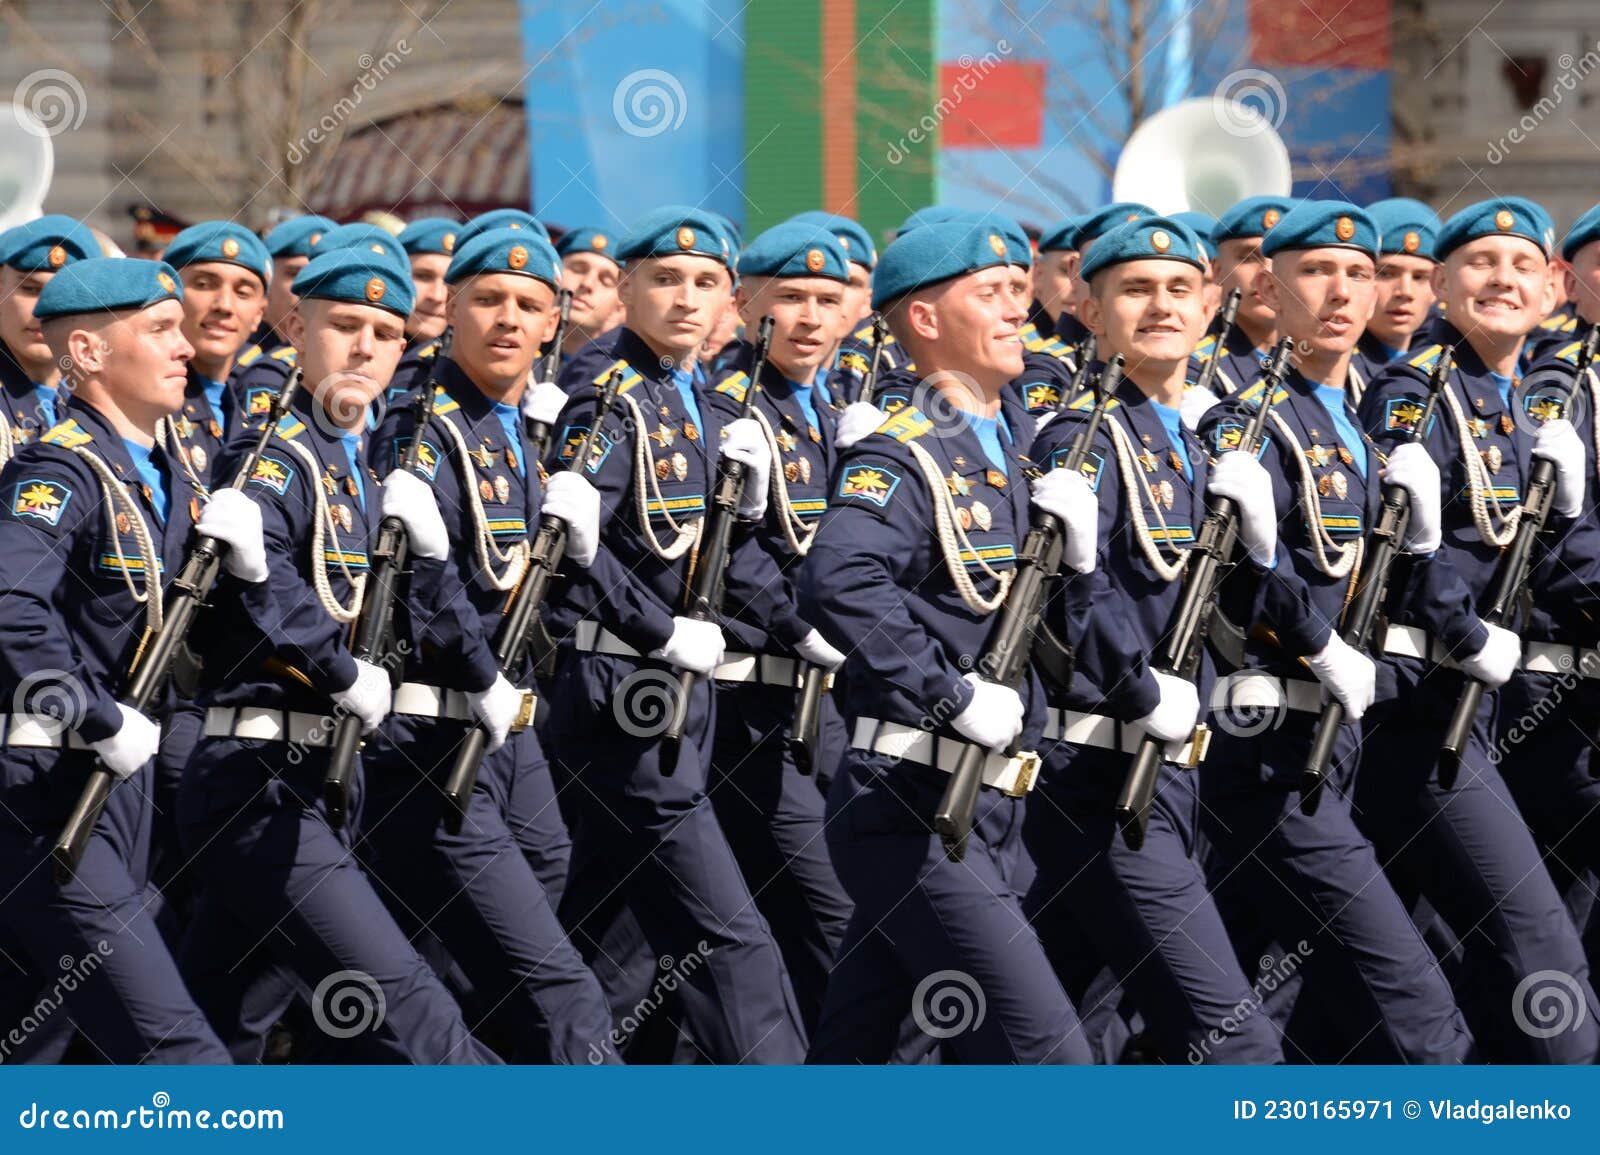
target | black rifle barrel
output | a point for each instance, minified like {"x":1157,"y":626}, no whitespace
{"x":1229,"y":313}
{"x":545,"y":371}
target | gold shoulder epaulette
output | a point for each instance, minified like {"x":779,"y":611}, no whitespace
{"x":736,"y":386}
{"x":68,"y":434}
{"x":906,"y":424}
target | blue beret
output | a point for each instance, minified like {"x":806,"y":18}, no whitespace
{"x":1408,"y":228}
{"x":430,"y":235}
{"x":1500,"y":216}
{"x":1103,"y":220}
{"x":357,"y":234}
{"x":1019,"y":249}
{"x":500,"y":219}
{"x":99,"y":284}
{"x":359,"y":277}
{"x":1251,"y":217}
{"x":729,"y":230}
{"x":936,"y":252}
{"x":1585,"y":229}
{"x":795,"y":249}
{"x":1061,"y":236}
{"x":672,"y":230}
{"x":294,"y":237}
{"x":506,"y":251}
{"x":852,"y":235}
{"x":224,"y":241}
{"x":1145,"y":239}
{"x":1202,"y":224}
{"x":46,"y":244}
{"x":587,"y":240}
{"x":934,"y":215}
{"x":1323,"y":225}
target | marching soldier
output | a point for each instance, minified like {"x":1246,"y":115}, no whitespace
{"x":1314,"y":877}
{"x":1054,"y":276}
{"x":912,"y":558}
{"x":644,"y":831}
{"x":1239,"y":264}
{"x":863,"y":254}
{"x":475,"y":889}
{"x":226,"y":272}
{"x":1407,"y":230}
{"x":92,"y":510}
{"x":770,"y":809}
{"x":429,"y":245}
{"x":1148,"y":912}
{"x":30,"y":254}
{"x":1465,"y":848}
{"x":590,"y":271}
{"x":289,"y":246}
{"x":284,"y":905}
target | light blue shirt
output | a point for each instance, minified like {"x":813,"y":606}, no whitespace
{"x":1172,"y":422}
{"x":1332,"y":399}
{"x":1504,"y":385}
{"x":352,"y":453}
{"x":684,"y":381}
{"x":152,"y":475}
{"x":803,"y":394}
{"x":511,"y":421}
{"x":213,"y":391}
{"x":989,"y":431}
{"x":47,"y":403}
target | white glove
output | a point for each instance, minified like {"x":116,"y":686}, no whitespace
{"x":570,"y":497}
{"x":743,"y":441}
{"x":409,"y":498}
{"x":815,"y":649}
{"x":1558,"y":442}
{"x":1347,"y":674}
{"x":993,"y":717}
{"x":1497,"y":661}
{"x":497,"y":708}
{"x":1240,"y":476}
{"x":1175,"y":715}
{"x":543,"y":401}
{"x":1413,"y":470}
{"x":858,"y":419}
{"x":1196,"y":403}
{"x":1042,"y":420}
{"x":1066,"y":494}
{"x":368,"y":697}
{"x":232,"y":517}
{"x":694,"y":646}
{"x":135,"y":742}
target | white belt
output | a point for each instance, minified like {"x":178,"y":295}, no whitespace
{"x":39,"y":731}
{"x":768,"y":669}
{"x":269,"y":725}
{"x":590,"y":637}
{"x":1255,"y":690}
{"x":424,"y":701}
{"x":1106,"y":733}
{"x":1013,"y":776}
{"x":1412,"y":642}
{"x":1551,"y":658}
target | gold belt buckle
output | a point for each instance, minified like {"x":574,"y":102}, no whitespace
{"x":1027,"y":772}
{"x":524,"y":718}
{"x":1199,"y":744}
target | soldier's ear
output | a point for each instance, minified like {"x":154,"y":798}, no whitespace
{"x":294,"y":327}
{"x":1547,"y":298}
{"x":1438,"y":281}
{"x":1092,"y":316}
{"x":88,"y":349}
{"x":921,"y":318}
{"x":1267,"y":285}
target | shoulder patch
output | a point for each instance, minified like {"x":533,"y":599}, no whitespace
{"x":68,"y":434}
{"x":1085,"y":404}
{"x":630,"y":376}
{"x":1204,"y":350}
{"x":854,"y":362}
{"x":1041,"y":395}
{"x":1425,"y":360}
{"x":736,"y":386}
{"x":1569,"y":353}
{"x":572,"y":440}
{"x":286,"y":354}
{"x":443,"y":403}
{"x":906,"y":424}
{"x":1252,"y":394}
{"x":1093,"y":465}
{"x":1544,"y":406}
{"x":272,"y":473}
{"x":40,"y":499}
{"x":874,"y":484}
{"x":258,"y":400}
{"x":1403,"y":413}
{"x":427,"y":456}
{"x":289,"y":427}
{"x":431,"y":349}
{"x":248,"y":356}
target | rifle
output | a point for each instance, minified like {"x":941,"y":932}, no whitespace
{"x":705,"y":590}
{"x":1185,"y":641}
{"x":1086,"y":355}
{"x":545,"y":371}
{"x":1516,"y":560}
{"x":1229,"y":314}
{"x":805,"y":732}
{"x":147,"y":677}
{"x":522,"y":610}
{"x":388,"y":561}
{"x":1007,"y":650}
{"x":1383,"y":547}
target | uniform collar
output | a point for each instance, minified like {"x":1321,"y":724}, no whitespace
{"x":474,"y":402}
{"x":304,"y":406}
{"x":13,"y":377}
{"x":631,"y":347}
{"x":108,"y":443}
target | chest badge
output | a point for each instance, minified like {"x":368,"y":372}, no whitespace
{"x":1493,"y":458}
{"x":345,"y":518}
{"x":198,"y":456}
{"x":981,"y":515}
{"x":664,"y":435}
{"x":995,"y":478}
{"x":481,"y":457}
{"x":502,"y":489}
{"x":1505,"y":424}
{"x":689,"y":430}
{"x":1148,"y":461}
{"x":787,"y":441}
{"x":959,"y":486}
{"x":485,"y":490}
{"x":680,"y":465}
{"x":1166,"y":493}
